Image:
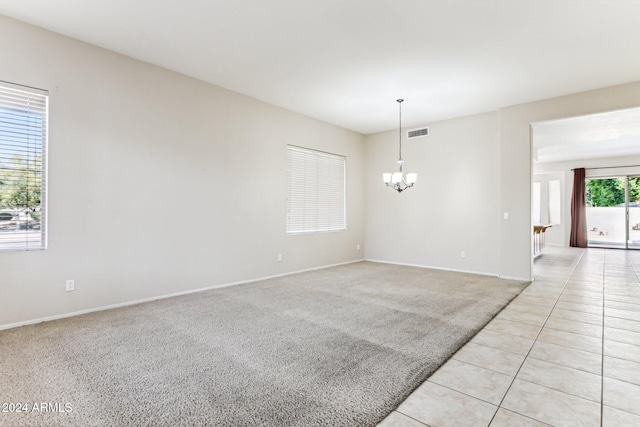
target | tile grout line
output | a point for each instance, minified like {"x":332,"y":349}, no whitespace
{"x":478,"y":366}
{"x":564,"y":366}
{"x":633,"y":268}
{"x":557,"y":288}
{"x":462,"y":392}
{"x":603,"y":338}
{"x":414,"y":419}
{"x":537,"y":336}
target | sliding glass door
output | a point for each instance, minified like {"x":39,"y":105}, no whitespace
{"x":633,"y":215}
{"x":613,"y":214}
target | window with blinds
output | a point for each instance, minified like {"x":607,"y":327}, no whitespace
{"x":316,"y":191}
{"x":23,"y":152}
{"x":536,"y":203}
{"x":555,"y":202}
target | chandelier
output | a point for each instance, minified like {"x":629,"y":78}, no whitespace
{"x":398,"y":180}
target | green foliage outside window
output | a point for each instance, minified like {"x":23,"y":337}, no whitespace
{"x":21,"y":184}
{"x":610,"y":191}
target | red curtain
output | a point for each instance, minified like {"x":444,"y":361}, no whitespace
{"x":578,"y":237}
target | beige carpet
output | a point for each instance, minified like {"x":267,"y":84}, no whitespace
{"x":341,"y":346}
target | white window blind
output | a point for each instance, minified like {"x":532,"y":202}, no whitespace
{"x":536,"y":203}
{"x":316,"y":196}
{"x":555,"y":202}
{"x":23,"y":151}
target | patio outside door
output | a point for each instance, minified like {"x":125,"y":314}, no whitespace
{"x":613,"y":214}
{"x":633,"y":213}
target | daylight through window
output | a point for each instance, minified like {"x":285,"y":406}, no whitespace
{"x":555,"y":202}
{"x":316,"y":191}
{"x":536,"y":203}
{"x":23,"y":150}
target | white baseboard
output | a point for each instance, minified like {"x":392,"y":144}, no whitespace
{"x":482,"y":273}
{"x":175,"y":294}
{"x":519,"y":279}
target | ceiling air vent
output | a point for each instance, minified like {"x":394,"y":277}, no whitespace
{"x":417,"y":133}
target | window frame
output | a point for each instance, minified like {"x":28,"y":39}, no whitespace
{"x":554,"y":207}
{"x":536,"y":203}
{"x":309,"y":215}
{"x":33,"y":104}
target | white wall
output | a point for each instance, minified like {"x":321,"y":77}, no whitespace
{"x":516,"y":163}
{"x":555,"y":234}
{"x":159,"y":183}
{"x":453,"y":207}
{"x":424,"y":225}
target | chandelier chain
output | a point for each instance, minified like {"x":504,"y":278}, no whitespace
{"x":398,"y":180}
{"x":400,"y":129}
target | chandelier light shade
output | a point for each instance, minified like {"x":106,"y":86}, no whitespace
{"x":398,"y":180}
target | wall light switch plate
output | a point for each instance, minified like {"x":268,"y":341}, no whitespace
{"x":505,"y":215}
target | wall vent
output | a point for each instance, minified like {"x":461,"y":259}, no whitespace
{"x":417,"y":133}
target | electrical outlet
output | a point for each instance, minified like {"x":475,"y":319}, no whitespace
{"x":463,"y":254}
{"x":71,"y":285}
{"x":279,"y":257}
{"x":358,"y":247}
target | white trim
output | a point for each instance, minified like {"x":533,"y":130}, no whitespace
{"x":482,"y":273}
{"x":315,"y":182}
{"x":520,"y":279}
{"x":28,"y":109}
{"x":175,"y":294}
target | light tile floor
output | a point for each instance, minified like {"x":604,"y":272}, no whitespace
{"x":565,"y":352}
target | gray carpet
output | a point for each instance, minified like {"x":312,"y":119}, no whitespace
{"x":342,"y":346}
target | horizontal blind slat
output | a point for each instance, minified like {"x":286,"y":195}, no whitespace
{"x":315,"y":199}
{"x":23,"y":138}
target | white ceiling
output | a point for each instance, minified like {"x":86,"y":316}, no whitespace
{"x":609,"y":134}
{"x":346,"y":61}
